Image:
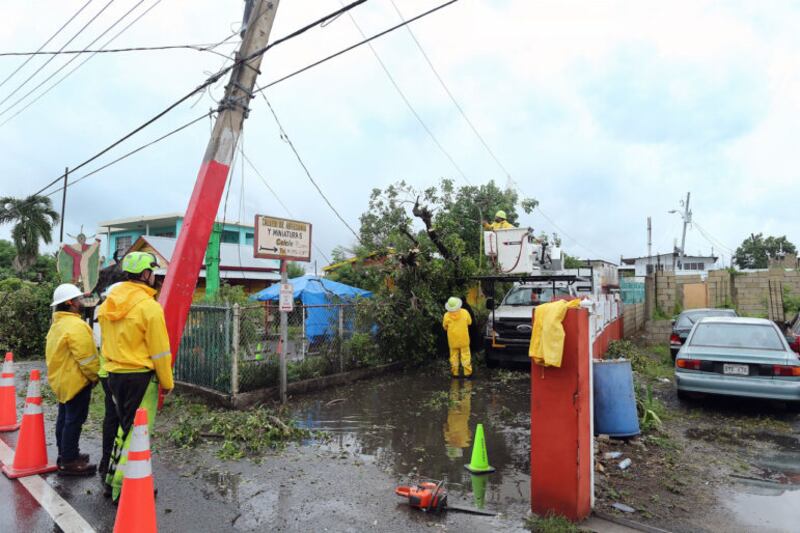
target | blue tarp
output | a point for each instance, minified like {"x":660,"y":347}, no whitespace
{"x":311,"y":291}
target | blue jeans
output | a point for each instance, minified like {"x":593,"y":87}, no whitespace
{"x":71,"y":416}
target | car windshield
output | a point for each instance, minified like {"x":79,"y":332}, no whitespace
{"x":751,"y":336}
{"x":533,"y":295}
{"x":687,"y":320}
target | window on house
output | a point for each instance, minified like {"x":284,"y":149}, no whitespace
{"x":701,"y":266}
{"x":248,"y":238}
{"x":123,"y":243}
{"x":651,"y":269}
{"x":230,"y":236}
{"x":166,"y":234}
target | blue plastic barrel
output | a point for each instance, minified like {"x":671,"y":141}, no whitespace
{"x":614,"y":400}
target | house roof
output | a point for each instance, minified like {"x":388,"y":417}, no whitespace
{"x":141,"y":222}
{"x":632,"y":260}
{"x":236,"y":261}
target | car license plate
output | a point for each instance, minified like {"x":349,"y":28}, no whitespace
{"x":736,"y":370}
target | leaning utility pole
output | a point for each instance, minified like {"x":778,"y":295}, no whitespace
{"x":687,"y":219}
{"x":187,"y":259}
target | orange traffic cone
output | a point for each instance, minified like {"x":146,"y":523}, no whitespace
{"x":8,"y":396}
{"x":31,"y":455}
{"x":137,"y":505}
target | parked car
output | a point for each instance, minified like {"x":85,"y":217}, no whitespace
{"x":738,"y":356}
{"x":682,"y":325}
{"x":793,"y":334}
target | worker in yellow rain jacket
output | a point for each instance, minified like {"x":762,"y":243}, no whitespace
{"x":72,"y":372}
{"x":500,"y":222}
{"x":456,"y":322}
{"x":137,"y":354}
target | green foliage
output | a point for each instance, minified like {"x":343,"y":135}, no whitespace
{"x":295,"y":270}
{"x":659,"y":314}
{"x":228,"y":295}
{"x":651,"y":410}
{"x":791,"y":303}
{"x":25,"y":316}
{"x":756,"y":250}
{"x":239,"y":433}
{"x":552,"y":523}
{"x":33,"y":219}
{"x":573,"y":262}
{"x":677,"y":309}
{"x":42,"y":269}
{"x":651,"y":366}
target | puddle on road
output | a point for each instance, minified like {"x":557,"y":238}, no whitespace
{"x":422,"y":426}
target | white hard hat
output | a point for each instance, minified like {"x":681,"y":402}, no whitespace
{"x":64,"y":293}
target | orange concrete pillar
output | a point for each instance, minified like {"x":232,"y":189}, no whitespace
{"x":561,"y":429}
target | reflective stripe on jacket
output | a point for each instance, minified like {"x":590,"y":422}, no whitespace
{"x":134,"y":332}
{"x":457,"y":324}
{"x":71,"y":355}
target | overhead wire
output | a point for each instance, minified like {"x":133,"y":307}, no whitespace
{"x":408,"y":102}
{"x":209,"y":81}
{"x":41,"y":67}
{"x":31,"y":56}
{"x":68,"y":74}
{"x":201,"y":47}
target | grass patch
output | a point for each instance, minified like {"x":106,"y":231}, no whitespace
{"x":239,"y":434}
{"x":508,"y":376}
{"x":653,"y":365}
{"x":550,"y":524}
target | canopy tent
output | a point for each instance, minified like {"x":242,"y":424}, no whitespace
{"x":315,"y":291}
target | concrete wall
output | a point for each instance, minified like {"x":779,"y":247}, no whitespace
{"x":634,"y":319}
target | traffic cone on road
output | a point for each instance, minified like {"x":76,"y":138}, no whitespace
{"x":480,"y":459}
{"x":137,"y":505}
{"x":31,"y":455}
{"x":8,"y":396}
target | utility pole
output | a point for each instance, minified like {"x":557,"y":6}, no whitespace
{"x":686,"y":215}
{"x":63,"y":206}
{"x":187,"y":259}
{"x":649,"y":242}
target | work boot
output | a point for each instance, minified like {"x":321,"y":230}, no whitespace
{"x":81,"y":456}
{"x":102,"y":468}
{"x":77,"y":467}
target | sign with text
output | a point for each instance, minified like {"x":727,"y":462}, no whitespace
{"x":279,"y":238}
{"x":286,"y":301}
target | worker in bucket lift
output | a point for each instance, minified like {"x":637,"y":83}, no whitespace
{"x":456,"y":322}
{"x":500,"y":222}
{"x":72,"y":372}
{"x":137,"y":354}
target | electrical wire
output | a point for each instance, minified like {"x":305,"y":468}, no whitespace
{"x":710,"y":238}
{"x":31,"y":56}
{"x":37,"y":71}
{"x":209,"y":81}
{"x":131,"y":10}
{"x":288,"y":141}
{"x":202,"y":47}
{"x":408,"y":102}
{"x":450,"y":94}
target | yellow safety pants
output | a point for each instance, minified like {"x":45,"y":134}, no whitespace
{"x":465,"y":358}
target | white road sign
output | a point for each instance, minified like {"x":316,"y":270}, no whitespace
{"x":279,"y":238}
{"x":286,"y":302}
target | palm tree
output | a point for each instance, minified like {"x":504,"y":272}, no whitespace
{"x":34,"y":217}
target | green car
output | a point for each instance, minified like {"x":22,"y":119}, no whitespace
{"x":737,"y":356}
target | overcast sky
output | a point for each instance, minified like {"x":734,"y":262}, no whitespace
{"x":606,"y":112}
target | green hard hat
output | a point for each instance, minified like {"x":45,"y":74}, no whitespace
{"x":500,"y":214}
{"x":138,"y":262}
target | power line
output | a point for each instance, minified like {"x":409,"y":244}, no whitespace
{"x":209,"y":81}
{"x":278,"y":198}
{"x":408,"y":103}
{"x":62,"y":67}
{"x":450,"y":94}
{"x":288,"y":141}
{"x":20,"y":86}
{"x":31,"y":56}
{"x":202,"y":47}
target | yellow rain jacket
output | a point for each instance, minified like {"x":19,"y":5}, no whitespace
{"x":547,"y":339}
{"x":503,"y":224}
{"x":71,"y":355}
{"x":134,"y":333}
{"x":457,"y":324}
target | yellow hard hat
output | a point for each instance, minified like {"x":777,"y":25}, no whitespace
{"x":500,"y":214}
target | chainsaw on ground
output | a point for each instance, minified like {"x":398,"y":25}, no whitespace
{"x":432,"y":497}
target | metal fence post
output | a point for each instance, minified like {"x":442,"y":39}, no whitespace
{"x":235,"y":359}
{"x":341,"y":338}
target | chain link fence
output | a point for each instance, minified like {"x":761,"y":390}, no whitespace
{"x":236,"y":349}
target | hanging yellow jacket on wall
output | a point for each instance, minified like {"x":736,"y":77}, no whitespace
{"x":547,"y":339}
{"x":71,"y":355}
{"x":457,"y":323}
{"x":134,"y":333}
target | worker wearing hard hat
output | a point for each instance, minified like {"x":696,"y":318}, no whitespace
{"x":72,"y":365}
{"x":500,"y":222}
{"x":456,"y":322}
{"x":137,"y":353}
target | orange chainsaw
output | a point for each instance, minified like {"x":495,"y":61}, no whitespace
{"x":432,"y":497}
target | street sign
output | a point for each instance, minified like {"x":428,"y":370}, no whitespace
{"x":286,"y":302}
{"x":279,"y":238}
